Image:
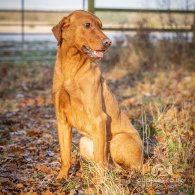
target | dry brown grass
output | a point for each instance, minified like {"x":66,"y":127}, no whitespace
{"x":158,"y":92}
{"x":154,"y":84}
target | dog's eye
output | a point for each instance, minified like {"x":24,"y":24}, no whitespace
{"x":87,"y":25}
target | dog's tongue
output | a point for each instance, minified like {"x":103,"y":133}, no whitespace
{"x":99,"y":54}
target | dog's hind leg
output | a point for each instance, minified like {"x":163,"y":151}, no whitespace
{"x":126,"y":151}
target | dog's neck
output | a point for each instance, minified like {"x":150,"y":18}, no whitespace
{"x":71,"y":60}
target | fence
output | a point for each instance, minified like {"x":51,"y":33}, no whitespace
{"x":93,"y":9}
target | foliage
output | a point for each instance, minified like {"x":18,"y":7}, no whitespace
{"x":154,"y":88}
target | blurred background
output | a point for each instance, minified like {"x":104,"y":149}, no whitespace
{"x":150,"y":68}
{"x":26,"y":21}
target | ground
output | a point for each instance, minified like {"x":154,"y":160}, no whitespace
{"x":158,"y":100}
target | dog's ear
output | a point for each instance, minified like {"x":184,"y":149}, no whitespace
{"x":57,"y":29}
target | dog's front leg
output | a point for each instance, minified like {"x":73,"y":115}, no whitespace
{"x":64,"y":132}
{"x":99,"y":140}
{"x":65,"y":140}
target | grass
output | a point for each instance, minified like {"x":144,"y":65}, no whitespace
{"x":99,"y":181}
{"x":162,"y":88}
{"x":153,"y":83}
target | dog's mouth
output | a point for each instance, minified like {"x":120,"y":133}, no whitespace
{"x":96,"y":54}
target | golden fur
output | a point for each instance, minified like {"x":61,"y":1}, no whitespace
{"x":83,"y":100}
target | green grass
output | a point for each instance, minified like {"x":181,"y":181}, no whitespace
{"x":71,"y":185}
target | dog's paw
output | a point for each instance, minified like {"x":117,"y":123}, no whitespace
{"x":62,"y":174}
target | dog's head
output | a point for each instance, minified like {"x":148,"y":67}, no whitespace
{"x":83,"y":30}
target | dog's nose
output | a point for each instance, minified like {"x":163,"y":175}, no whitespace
{"x":106,"y":42}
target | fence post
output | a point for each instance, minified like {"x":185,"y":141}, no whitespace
{"x":91,"y":7}
{"x":193,"y":34}
{"x":22,"y":21}
{"x":83,"y":4}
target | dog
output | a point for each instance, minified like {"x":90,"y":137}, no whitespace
{"x":83,"y":100}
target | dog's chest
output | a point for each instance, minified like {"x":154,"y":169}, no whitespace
{"x":82,"y":99}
